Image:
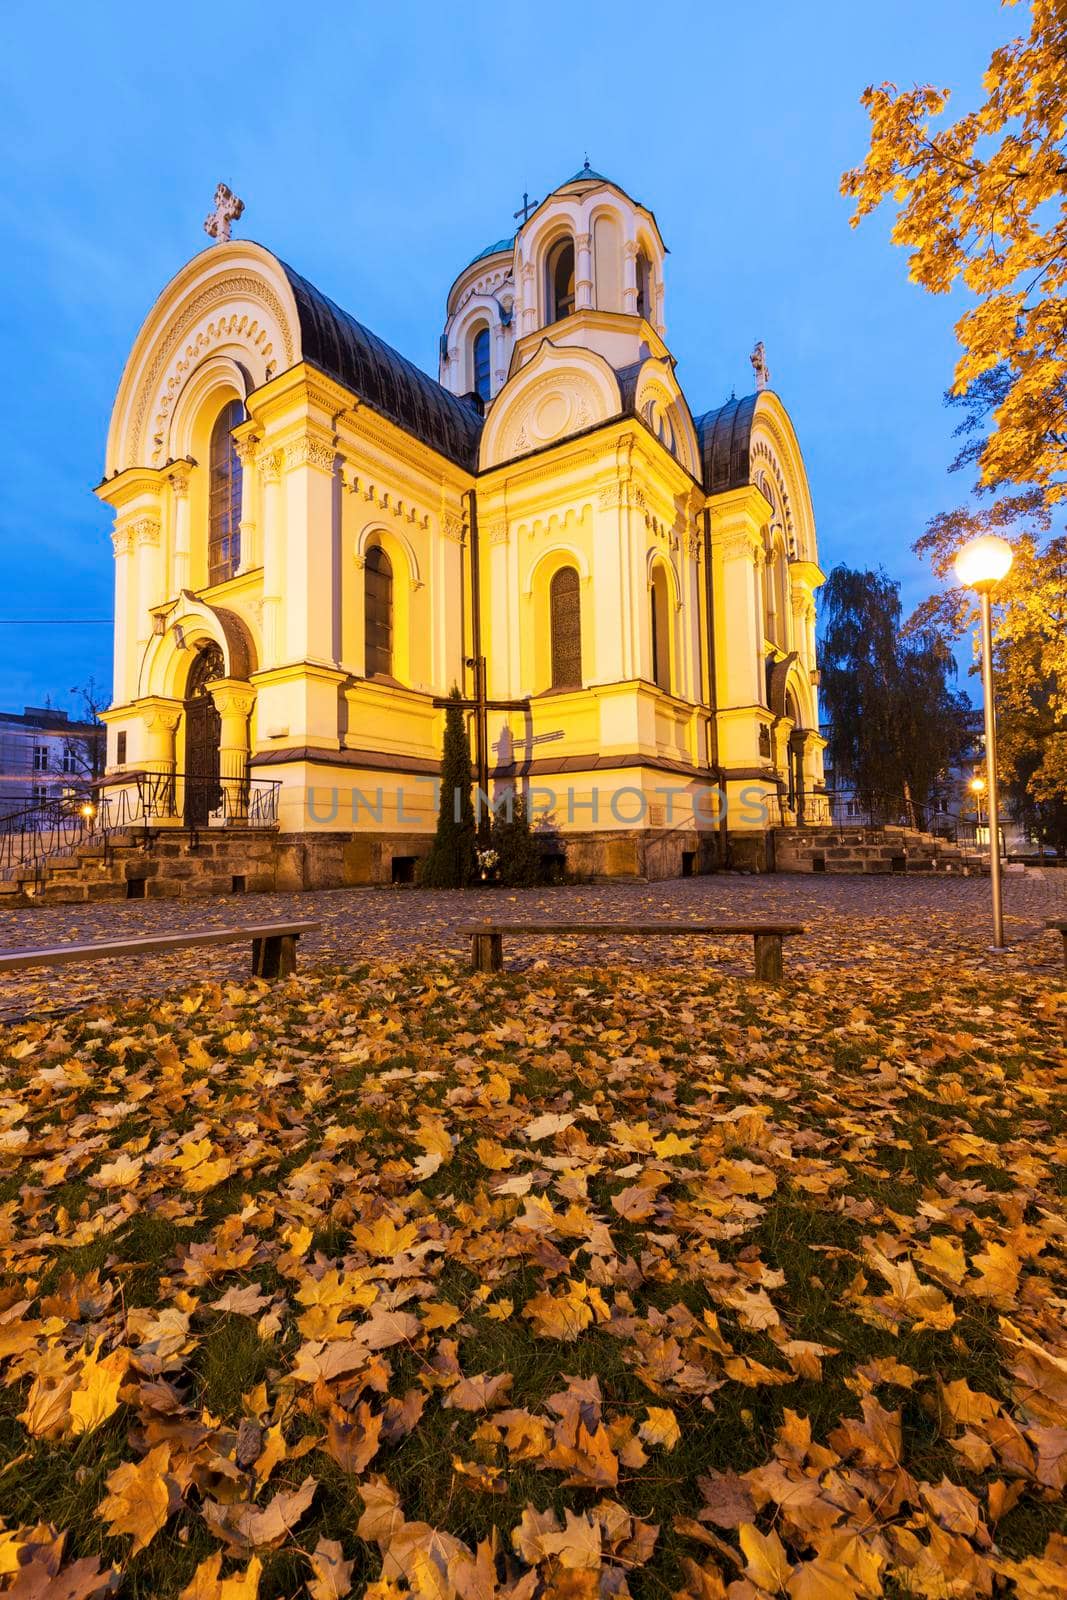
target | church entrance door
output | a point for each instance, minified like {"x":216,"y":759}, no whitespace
{"x":203,"y":733}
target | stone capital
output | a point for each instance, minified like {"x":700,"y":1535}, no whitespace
{"x":121,"y":541}
{"x":310,"y":450}
{"x":179,"y":483}
{"x":145,"y":531}
{"x":270,"y":465}
{"x":232,"y":696}
{"x":160,"y":715}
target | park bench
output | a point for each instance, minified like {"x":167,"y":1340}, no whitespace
{"x":273,"y":947}
{"x":487,"y":938}
{"x":1061,"y":928}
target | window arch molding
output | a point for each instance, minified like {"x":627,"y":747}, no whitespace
{"x":537,"y":596}
{"x":559,"y":274}
{"x":479,"y":310}
{"x":406,"y":588}
{"x":214,"y":385}
{"x":481,"y":361}
{"x":664,"y":605}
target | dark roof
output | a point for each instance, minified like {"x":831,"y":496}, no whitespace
{"x":382,"y":378}
{"x":492,"y":250}
{"x":724,"y":437}
{"x":587,"y":175}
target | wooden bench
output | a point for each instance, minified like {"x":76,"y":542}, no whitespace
{"x":487,"y":938}
{"x":273,"y":947}
{"x":1061,"y":928}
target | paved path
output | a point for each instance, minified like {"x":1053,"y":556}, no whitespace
{"x":851,"y":919}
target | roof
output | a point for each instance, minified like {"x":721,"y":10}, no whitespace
{"x":587,"y":175}
{"x":493,"y":250}
{"x":342,"y":348}
{"x":724,"y":436}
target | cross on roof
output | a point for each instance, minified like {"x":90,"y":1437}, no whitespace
{"x":227,"y":209}
{"x":527,"y":207}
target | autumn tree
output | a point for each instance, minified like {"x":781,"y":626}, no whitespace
{"x":981,"y":206}
{"x":450,"y":863}
{"x":896,"y":725}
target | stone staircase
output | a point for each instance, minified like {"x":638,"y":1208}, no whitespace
{"x":131,"y":866}
{"x":885,"y":849}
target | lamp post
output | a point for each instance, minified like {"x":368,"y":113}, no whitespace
{"x":980,"y":566}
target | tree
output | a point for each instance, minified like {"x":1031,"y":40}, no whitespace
{"x":895,"y":724}
{"x":519,"y":855}
{"x":976,"y":209}
{"x":451,"y":861}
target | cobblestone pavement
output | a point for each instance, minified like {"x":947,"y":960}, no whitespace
{"x":852,"y":922}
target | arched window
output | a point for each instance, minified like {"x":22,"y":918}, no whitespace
{"x":560,"y":280}
{"x":565,"y":621}
{"x":661,"y":643}
{"x":378,"y":612}
{"x":481,"y":363}
{"x":224,"y":496}
{"x":644,"y":285}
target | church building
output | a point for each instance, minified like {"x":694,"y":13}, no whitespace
{"x":315,"y":541}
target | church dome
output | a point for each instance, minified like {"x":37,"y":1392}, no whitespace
{"x":502,"y":247}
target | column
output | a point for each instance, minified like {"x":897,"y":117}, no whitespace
{"x":146,"y":531}
{"x":234,"y":700}
{"x":160,"y":717}
{"x":272,"y":538}
{"x":629,"y":277}
{"x":311,"y":508}
{"x":246,"y":455}
{"x":182,"y":573}
{"x":583,"y":276}
{"x":122,"y":544}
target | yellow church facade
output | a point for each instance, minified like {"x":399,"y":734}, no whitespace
{"x":314,"y":540}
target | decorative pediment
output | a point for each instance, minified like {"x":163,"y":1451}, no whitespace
{"x":561,"y":391}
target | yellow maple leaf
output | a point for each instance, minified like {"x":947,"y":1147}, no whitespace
{"x":207,"y":1585}
{"x":768,"y":1565}
{"x":95,"y":1395}
{"x":140,"y":1498}
{"x":660,"y":1427}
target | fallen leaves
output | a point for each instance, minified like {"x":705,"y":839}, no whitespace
{"x":635,"y":1278}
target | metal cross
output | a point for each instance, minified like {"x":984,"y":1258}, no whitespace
{"x":227,"y":209}
{"x":526,"y":208}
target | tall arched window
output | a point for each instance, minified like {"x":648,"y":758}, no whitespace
{"x":224,"y":496}
{"x":481,"y":362}
{"x":559,"y":272}
{"x":565,"y":621}
{"x":661,"y":642}
{"x":378,"y":612}
{"x":644,"y":285}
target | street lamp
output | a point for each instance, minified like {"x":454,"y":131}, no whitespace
{"x":980,"y":565}
{"x":977,"y":788}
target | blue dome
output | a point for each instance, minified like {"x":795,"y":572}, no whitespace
{"x":492,"y":250}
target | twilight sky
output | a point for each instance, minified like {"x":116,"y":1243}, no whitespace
{"x":377,"y":148}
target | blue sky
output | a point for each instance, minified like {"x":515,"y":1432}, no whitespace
{"x":379,"y":147}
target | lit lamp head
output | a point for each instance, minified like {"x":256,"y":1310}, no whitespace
{"x":88,"y":811}
{"x":977,"y":785}
{"x":983,"y":562}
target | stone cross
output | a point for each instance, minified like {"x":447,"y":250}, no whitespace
{"x":227,"y":209}
{"x":758,"y":359}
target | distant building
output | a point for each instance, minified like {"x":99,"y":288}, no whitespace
{"x":43,"y":755}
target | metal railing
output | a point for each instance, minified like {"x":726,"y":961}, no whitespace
{"x":846,"y":810}
{"x":57,"y":828}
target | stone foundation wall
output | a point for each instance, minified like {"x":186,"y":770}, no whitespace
{"x":177,"y":864}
